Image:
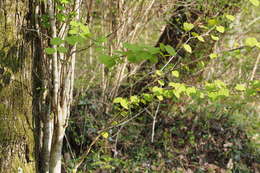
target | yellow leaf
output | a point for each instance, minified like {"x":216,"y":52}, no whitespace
{"x":187,"y":48}
{"x":158,"y":72}
{"x":251,"y":41}
{"x":230,"y":17}
{"x":105,"y":135}
{"x":188,"y":26}
{"x":175,"y":73}
{"x":200,"y":38}
{"x":220,"y":29}
{"x":214,"y":37}
{"x":161,"y":82}
{"x":160,"y":98}
{"x":213,"y":55}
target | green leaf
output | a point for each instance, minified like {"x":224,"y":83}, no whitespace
{"x":240,"y":87}
{"x":220,"y":29}
{"x":200,"y":38}
{"x":213,"y":55}
{"x":255,"y":2}
{"x":160,"y":98}
{"x":50,"y":51}
{"x":223,"y":92}
{"x":123,"y":102}
{"x":230,"y":17}
{"x":134,"y":99}
{"x":74,"y":23}
{"x":159,"y":73}
{"x":64,"y":1}
{"x":187,"y":48}
{"x":74,"y":31}
{"x":117,"y":100}
{"x":191,"y":90}
{"x":175,"y":73}
{"x":212,"y":22}
{"x":107,"y":60}
{"x":84,"y":29}
{"x":161,"y":82}
{"x":157,"y":90}
{"x":176,"y":93}
{"x":170,"y":50}
{"x":61,"y":17}
{"x":213,"y":95}
{"x":72,"y":40}
{"x":56,"y":41}
{"x":188,"y":26}
{"x":251,"y":41}
{"x":62,"y":49}
{"x":214,"y":37}
{"x":219,"y":83}
{"x":147,"y":97}
{"x":59,"y":7}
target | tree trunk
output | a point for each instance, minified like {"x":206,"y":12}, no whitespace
{"x":52,"y":83}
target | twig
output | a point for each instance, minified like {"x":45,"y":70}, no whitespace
{"x":154,"y":121}
{"x":85,"y":154}
{"x":255,"y":67}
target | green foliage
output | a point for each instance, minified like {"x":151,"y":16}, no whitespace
{"x":107,"y":60}
{"x":188,"y":26}
{"x":137,"y":53}
{"x":255,"y":2}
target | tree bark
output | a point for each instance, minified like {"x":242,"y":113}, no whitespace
{"x":52,"y":83}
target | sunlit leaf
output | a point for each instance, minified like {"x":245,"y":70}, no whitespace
{"x":230,"y":17}
{"x":175,"y":73}
{"x":200,"y":38}
{"x":84,"y":29}
{"x":161,"y":82}
{"x":223,"y":92}
{"x":134,"y":99}
{"x":240,"y":87}
{"x":212,"y":22}
{"x":213,"y":55}
{"x":56,"y":41}
{"x":188,"y":26}
{"x":160,"y":97}
{"x":123,"y":102}
{"x":74,"y":31}
{"x":251,"y":41}
{"x":105,"y":135}
{"x":72,"y":40}
{"x":187,"y":48}
{"x":220,"y":29}
{"x":255,"y":2}
{"x":147,"y":97}
{"x":191,"y":90}
{"x":159,"y":73}
{"x":214,"y":37}
{"x":74,"y":23}
{"x":258,"y":45}
{"x":50,"y":51}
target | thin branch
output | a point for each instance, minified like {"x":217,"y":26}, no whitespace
{"x":154,"y":121}
{"x":255,"y":67}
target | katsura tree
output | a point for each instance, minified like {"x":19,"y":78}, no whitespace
{"x":54,"y":29}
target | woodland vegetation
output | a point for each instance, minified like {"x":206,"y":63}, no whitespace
{"x":130,"y":86}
